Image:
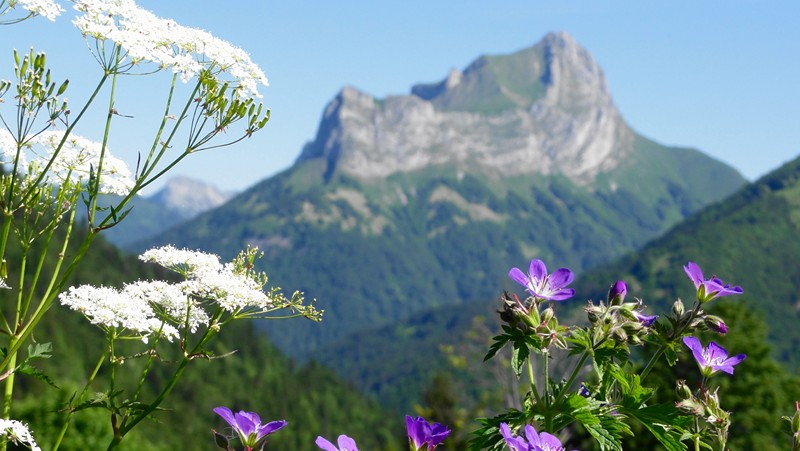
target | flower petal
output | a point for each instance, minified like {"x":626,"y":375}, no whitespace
{"x":270,"y":427}
{"x":716,"y":353}
{"x":695,"y":273}
{"x":226,"y":415}
{"x":538,"y":270}
{"x":518,"y":276}
{"x":562,"y":294}
{"x":532,"y":435}
{"x":694,"y":344}
{"x":347,"y":444}
{"x":515,"y":443}
{"x":325,"y":444}
{"x":549,"y":441}
{"x":727,"y":365}
{"x":561,"y":278}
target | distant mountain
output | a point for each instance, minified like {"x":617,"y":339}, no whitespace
{"x":410,"y":202}
{"x":188,"y":197}
{"x":179,"y":200}
{"x":748,"y":239}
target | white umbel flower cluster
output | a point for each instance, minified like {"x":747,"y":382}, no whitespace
{"x":209,"y":280}
{"x":18,"y":433}
{"x":76,"y":159}
{"x":170,"y":303}
{"x":45,"y":8}
{"x":111,"y":308}
{"x":186,"y":51}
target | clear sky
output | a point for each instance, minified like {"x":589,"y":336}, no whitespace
{"x":722,"y":76}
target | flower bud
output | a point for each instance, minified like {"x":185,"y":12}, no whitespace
{"x":691,"y":406}
{"x":716,"y":324}
{"x":677,"y":308}
{"x":617,"y":292}
{"x":619,"y":335}
{"x":221,"y":440}
{"x":684,"y":392}
{"x":547,"y":315}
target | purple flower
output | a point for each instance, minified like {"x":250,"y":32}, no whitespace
{"x":708,"y":289}
{"x":423,"y":435}
{"x":532,"y":440}
{"x":543,"y":286}
{"x":617,"y":292}
{"x":646,"y":320}
{"x":712,"y":358}
{"x":248,"y":426}
{"x":345,"y":444}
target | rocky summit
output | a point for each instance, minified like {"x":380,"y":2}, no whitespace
{"x":410,"y":202}
{"x":542,"y":110}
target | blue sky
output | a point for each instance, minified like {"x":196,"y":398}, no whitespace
{"x":720,"y":76}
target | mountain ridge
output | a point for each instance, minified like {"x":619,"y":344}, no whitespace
{"x":436,"y":225}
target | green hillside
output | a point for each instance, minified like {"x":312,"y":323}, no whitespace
{"x":750,"y":239}
{"x":257,"y":377}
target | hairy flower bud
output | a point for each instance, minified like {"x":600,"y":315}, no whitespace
{"x":677,"y":308}
{"x":684,"y":392}
{"x":716,"y":324}
{"x":617,"y":292}
{"x":691,"y":406}
{"x":547,"y":315}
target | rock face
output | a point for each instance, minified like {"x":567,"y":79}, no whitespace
{"x":188,"y":197}
{"x":545,"y":109}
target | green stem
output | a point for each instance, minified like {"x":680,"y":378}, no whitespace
{"x":48,"y":300}
{"x":68,"y":420}
{"x":127,"y":425}
{"x":573,"y":376}
{"x":9,"y":389}
{"x":676,"y":335}
{"x":533,"y":383}
{"x":94,"y":191}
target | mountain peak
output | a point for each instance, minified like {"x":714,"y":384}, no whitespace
{"x":189,"y":197}
{"x":544,"y":109}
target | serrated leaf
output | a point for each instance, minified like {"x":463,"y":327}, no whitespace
{"x":665,"y":423}
{"x":40,"y":351}
{"x":518,"y":357}
{"x":37,"y":373}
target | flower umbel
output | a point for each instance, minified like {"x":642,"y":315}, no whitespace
{"x":712,"y":358}
{"x":18,"y":433}
{"x":541,"y":285}
{"x":248,"y":426}
{"x":345,"y":444}
{"x":424,"y":436}
{"x":708,"y":289}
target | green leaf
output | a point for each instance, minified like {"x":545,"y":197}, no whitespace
{"x":40,"y":351}
{"x":664,"y":422}
{"x":519,"y":356}
{"x":37,"y":373}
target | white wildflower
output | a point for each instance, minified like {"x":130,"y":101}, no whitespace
{"x":18,"y":432}
{"x":208,"y":279}
{"x":45,"y":8}
{"x":8,"y":151}
{"x":3,"y":284}
{"x":182,"y":261}
{"x":233,"y":292}
{"x":77,"y":158}
{"x":163,"y":42}
{"x":169,"y":299}
{"x":110,"y":308}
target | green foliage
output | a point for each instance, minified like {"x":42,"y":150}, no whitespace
{"x":256,"y":377}
{"x":748,"y":240}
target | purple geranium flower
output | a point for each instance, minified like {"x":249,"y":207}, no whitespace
{"x":248,"y":426}
{"x":708,"y":289}
{"x":617,"y":293}
{"x":345,"y":444}
{"x":541,"y":285}
{"x":532,"y":441}
{"x":423,"y":435}
{"x":712,"y":358}
{"x":646,"y":320}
